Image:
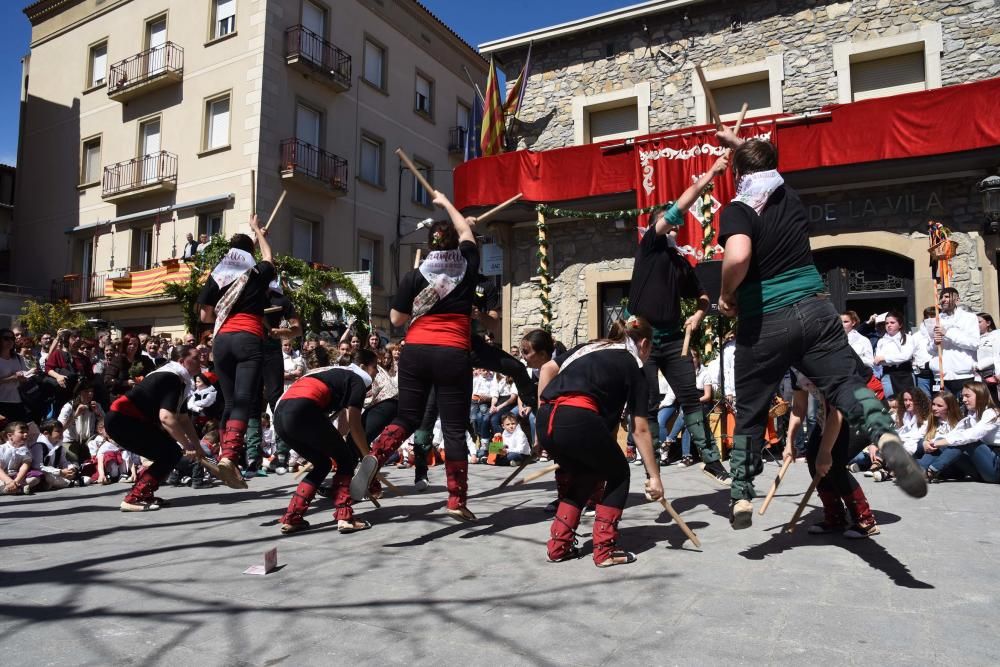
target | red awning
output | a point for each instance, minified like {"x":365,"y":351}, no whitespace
{"x":932,"y":122}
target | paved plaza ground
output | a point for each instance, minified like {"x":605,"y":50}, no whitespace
{"x":81,"y":583}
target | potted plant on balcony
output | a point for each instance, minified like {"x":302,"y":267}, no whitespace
{"x":170,"y":262}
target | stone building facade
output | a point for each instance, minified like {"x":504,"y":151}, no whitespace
{"x":793,"y":57}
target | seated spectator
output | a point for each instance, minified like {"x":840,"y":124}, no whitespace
{"x":79,"y":418}
{"x":951,"y":455}
{"x":912,"y":416}
{"x":203,"y":397}
{"x":483,"y":391}
{"x":15,"y":461}
{"x":670,"y":407}
{"x":503,"y":402}
{"x":48,"y":457}
{"x":868,"y":460}
{"x":66,"y":365}
{"x":515,"y":444}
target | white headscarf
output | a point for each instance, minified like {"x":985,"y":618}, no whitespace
{"x":233,"y":264}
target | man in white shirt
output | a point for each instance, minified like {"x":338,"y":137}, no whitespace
{"x":958,"y":335}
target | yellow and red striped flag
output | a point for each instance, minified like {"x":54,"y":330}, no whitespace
{"x":491,"y":139}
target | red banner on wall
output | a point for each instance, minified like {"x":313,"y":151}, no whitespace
{"x":665,"y":168}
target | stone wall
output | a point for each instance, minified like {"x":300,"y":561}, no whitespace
{"x":803,"y":31}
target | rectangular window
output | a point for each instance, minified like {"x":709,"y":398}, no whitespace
{"x":729,"y":99}
{"x":371,"y":160}
{"x":224,"y":19}
{"x":210,"y":224}
{"x":421,"y":196}
{"x":217,"y":123}
{"x":302,"y":239}
{"x":98,"y":64}
{"x":889,"y":75}
{"x":615,"y":123}
{"x":90,"y":171}
{"x":424,"y":95}
{"x":142,"y":249}
{"x":369,"y":253}
{"x":463,"y":116}
{"x":374,"y":64}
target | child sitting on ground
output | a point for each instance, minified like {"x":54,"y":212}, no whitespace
{"x":114,"y":464}
{"x":48,"y":456}
{"x":15,"y":461}
{"x":515,"y":443}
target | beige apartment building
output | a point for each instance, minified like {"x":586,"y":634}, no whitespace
{"x":144,"y":120}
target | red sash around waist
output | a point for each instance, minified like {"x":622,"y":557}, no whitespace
{"x":572,"y":400}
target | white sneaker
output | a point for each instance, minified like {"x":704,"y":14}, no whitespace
{"x":280,"y":470}
{"x":638,"y":460}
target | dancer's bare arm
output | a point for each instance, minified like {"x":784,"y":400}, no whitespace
{"x":462,"y":224}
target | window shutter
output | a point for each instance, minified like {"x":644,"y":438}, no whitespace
{"x":613,"y":123}
{"x":218,"y":132}
{"x":892,"y":75}
{"x":99,"y":64}
{"x":373,"y":64}
{"x":730,"y":99}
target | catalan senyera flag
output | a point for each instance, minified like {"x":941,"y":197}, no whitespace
{"x":516,"y":94}
{"x":491,"y":139}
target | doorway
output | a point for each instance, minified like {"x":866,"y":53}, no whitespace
{"x":868,"y":281}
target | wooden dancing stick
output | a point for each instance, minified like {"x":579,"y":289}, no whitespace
{"x":774,"y":486}
{"x":790,"y":526}
{"x":416,"y":258}
{"x":739,"y":121}
{"x":498,"y":207}
{"x":303,"y":470}
{"x":709,"y":97}
{"x":535,"y":475}
{"x":687,"y":341}
{"x":275,"y":210}
{"x":253,"y":191}
{"x":416,"y":172}
{"x":389,"y":485}
{"x":680,"y":522}
{"x":517,"y":471}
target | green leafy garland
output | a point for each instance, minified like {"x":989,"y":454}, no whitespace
{"x":707,"y":231}
{"x":544,"y":272}
{"x":603,"y":215}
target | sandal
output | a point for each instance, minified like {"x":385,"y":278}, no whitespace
{"x":289,"y":528}
{"x":138,"y":507}
{"x":462,"y":514}
{"x":618,"y":557}
{"x":352,"y":526}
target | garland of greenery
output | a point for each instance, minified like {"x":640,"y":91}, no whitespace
{"x":545,"y":209}
{"x":707,"y":231}
{"x":308,"y":291}
{"x":545,"y":288}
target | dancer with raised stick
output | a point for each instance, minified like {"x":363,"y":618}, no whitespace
{"x":582,"y":395}
{"x":302,"y":419}
{"x":770,"y":280}
{"x":661,"y":277}
{"x":436,"y":301}
{"x":235,"y":297}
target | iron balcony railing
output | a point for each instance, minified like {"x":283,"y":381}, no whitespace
{"x":304,"y":44}
{"x":144,"y":66}
{"x":297,"y":156}
{"x":140,"y":172}
{"x":77,"y":288}
{"x":456,"y":139}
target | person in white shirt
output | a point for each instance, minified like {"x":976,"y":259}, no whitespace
{"x":515,"y":443}
{"x":894,"y":353}
{"x":671,"y":407}
{"x":955,"y":450}
{"x":503,"y":401}
{"x":15,"y":461}
{"x":912,"y":416}
{"x":483,"y":391}
{"x":958,"y":335}
{"x":921,"y":354}
{"x":860,"y":344}
{"x":986,"y":353}
{"x":295,"y":367}
{"x":48,"y":456}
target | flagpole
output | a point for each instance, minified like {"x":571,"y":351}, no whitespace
{"x":482,"y":100}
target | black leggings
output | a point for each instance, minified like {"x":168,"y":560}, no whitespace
{"x":446,"y":370}
{"x":584,"y":448}
{"x":378,"y":416}
{"x":839,"y":480}
{"x":238,"y":357}
{"x":145,"y":439}
{"x":308,"y":430}
{"x":272,"y":375}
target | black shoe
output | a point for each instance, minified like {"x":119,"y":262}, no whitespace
{"x":716,"y":472}
{"x":420,"y":478}
{"x":910,"y":477}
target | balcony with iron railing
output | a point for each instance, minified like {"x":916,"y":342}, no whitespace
{"x":313,"y":167}
{"x":145,"y":72}
{"x":119,"y":284}
{"x":309,"y":53}
{"x":456,"y":139}
{"x":156,"y":172}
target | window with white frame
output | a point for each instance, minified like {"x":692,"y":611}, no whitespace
{"x":371,"y":160}
{"x":98,"y":65}
{"x":420,"y":195}
{"x":901,"y":63}
{"x":210,"y":224}
{"x":424,"y":98}
{"x":90,"y":168}
{"x":757,"y":84}
{"x":614,"y":115}
{"x":142,"y":248}
{"x":369,"y":252}
{"x":374,"y":64}
{"x":463,"y":116}
{"x":217,"y":122}
{"x":302,"y":239}
{"x":223,"y":18}
{"x":614,"y":123}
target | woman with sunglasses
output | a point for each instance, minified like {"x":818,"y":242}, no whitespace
{"x":13,"y":371}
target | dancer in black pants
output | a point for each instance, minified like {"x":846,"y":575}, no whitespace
{"x":661,"y":277}
{"x":151,"y":420}
{"x":302,"y":419}
{"x":436,"y":300}
{"x":272,"y":375}
{"x":582,"y":395}
{"x":234,"y":298}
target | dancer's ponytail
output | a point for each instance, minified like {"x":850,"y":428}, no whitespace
{"x":635,"y":327}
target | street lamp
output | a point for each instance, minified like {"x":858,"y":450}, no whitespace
{"x":990,"y":187}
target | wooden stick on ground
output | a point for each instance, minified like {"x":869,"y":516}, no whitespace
{"x":416,"y":172}
{"x":277,"y":207}
{"x":517,"y":471}
{"x":687,"y":341}
{"x":680,"y":522}
{"x":713,"y":110}
{"x":790,"y":526}
{"x":499,"y":207}
{"x":774,"y":486}
{"x":539,"y":473}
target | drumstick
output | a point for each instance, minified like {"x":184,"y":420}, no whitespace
{"x":514,"y":474}
{"x":709,"y":98}
{"x":687,"y":341}
{"x":774,"y":486}
{"x":275,"y":210}
{"x":680,"y":522}
{"x":498,"y":207}
{"x":535,"y":475}
{"x":416,"y":172}
{"x":790,"y":526}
